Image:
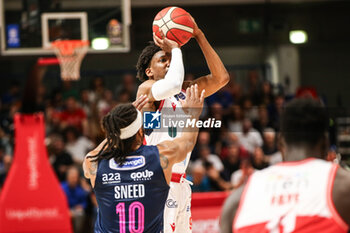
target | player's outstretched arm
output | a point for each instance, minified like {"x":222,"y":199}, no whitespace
{"x":172,"y":82}
{"x":218,"y":76}
{"x":175,"y":151}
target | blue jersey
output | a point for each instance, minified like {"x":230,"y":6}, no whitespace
{"x":131,"y":197}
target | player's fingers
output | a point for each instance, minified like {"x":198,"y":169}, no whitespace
{"x":196,"y":91}
{"x":202,"y":96}
{"x":183,"y":102}
{"x":188,"y":93}
{"x":192,"y":92}
{"x":161,"y":34}
{"x":139,"y":101}
{"x":168,"y":41}
{"x":143,"y":103}
{"x":157,"y":40}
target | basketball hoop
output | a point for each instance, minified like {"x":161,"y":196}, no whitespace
{"x":70,"y":54}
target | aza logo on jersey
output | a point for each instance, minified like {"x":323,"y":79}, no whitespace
{"x":144,"y":175}
{"x":110,"y":178}
{"x":131,"y":163}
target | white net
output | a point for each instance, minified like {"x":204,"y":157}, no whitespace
{"x":70,"y":54}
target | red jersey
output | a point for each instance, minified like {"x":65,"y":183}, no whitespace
{"x":290,"y":197}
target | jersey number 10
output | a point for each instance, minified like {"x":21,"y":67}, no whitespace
{"x":120,"y":209}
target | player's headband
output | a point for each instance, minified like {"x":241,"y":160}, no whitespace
{"x":132,"y":129}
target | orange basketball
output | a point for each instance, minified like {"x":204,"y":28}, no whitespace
{"x":175,"y":23}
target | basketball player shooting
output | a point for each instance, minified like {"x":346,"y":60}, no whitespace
{"x":303,"y":194}
{"x":131,"y":180}
{"x":160,"y":68}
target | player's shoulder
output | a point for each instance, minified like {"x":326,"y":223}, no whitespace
{"x":147,"y":84}
{"x":186,"y":84}
{"x":341,"y":189}
{"x":342,"y":181}
{"x":145,"y":87}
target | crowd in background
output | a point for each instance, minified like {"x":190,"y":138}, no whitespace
{"x":222,"y":159}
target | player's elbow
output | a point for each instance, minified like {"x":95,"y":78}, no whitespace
{"x":176,"y":81}
{"x":224,"y":79}
{"x":177,"y":88}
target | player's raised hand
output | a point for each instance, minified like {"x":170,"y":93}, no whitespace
{"x":164,"y":43}
{"x":140,"y":102}
{"x":193,"y":104}
{"x":196,"y":30}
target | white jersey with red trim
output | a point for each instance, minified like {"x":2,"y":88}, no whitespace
{"x":290,"y":197}
{"x":171,"y":110}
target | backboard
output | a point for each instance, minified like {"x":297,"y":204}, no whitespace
{"x":28,"y":27}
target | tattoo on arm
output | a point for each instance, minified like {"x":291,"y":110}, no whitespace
{"x":164,"y":162}
{"x":93,"y":168}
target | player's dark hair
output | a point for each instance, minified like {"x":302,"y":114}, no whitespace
{"x":304,"y":122}
{"x":119,"y":117}
{"x":145,"y":60}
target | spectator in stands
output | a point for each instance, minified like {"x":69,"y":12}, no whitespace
{"x":263,"y":120}
{"x":267,"y":96}
{"x":85,"y":103}
{"x":77,"y":145}
{"x":202,"y":140}
{"x":97,"y":88}
{"x":5,"y":142}
{"x":249,"y":138}
{"x":258,"y":160}
{"x":5,"y":163}
{"x":77,"y":198}
{"x":237,"y":93}
{"x":250,"y":110}
{"x":231,"y":161}
{"x":232,"y":138}
{"x":217,"y":112}
{"x":56,"y":101}
{"x":11,"y":96}
{"x":61,"y":160}
{"x":128,"y":85}
{"x":68,"y":90}
{"x":73,"y":115}
{"x":275,"y":111}
{"x":106,"y":103}
{"x":241,"y":176}
{"x":124,"y":97}
{"x":200,"y":180}
{"x":206,"y":157}
{"x":236,"y":117}
{"x":222,"y":96}
{"x":270,"y":148}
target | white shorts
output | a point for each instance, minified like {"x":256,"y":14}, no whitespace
{"x":177,"y":212}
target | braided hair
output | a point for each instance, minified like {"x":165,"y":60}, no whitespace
{"x":119,"y":117}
